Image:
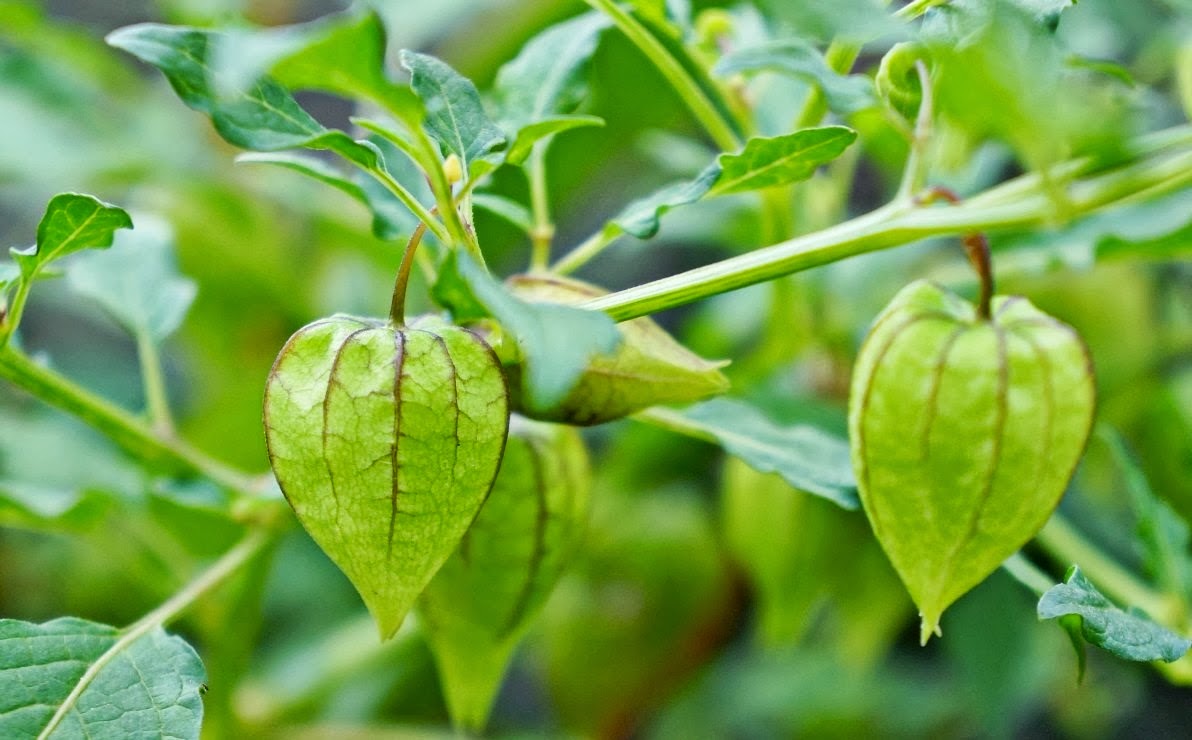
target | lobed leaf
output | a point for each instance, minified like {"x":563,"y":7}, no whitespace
{"x":1129,"y":635}
{"x":781,"y":160}
{"x":845,"y":94}
{"x":455,"y":117}
{"x":72,"y":222}
{"x":641,"y":218}
{"x":151,"y":687}
{"x":264,"y":117}
{"x":806,"y":457}
{"x":136,"y":280}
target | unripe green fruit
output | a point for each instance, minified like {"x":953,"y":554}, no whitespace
{"x":486,"y":595}
{"x":385,"y":441}
{"x":965,"y":433}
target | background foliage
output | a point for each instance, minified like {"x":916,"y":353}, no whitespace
{"x":675,"y":620}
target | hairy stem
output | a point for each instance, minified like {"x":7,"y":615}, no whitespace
{"x":894,"y":225}
{"x":228,"y":564}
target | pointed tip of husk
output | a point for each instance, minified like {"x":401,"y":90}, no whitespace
{"x":928,"y":627}
{"x":389,"y":622}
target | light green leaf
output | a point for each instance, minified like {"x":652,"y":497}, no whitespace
{"x":641,"y":218}
{"x":532,"y":133}
{"x":391,"y":219}
{"x":485,"y":597}
{"x":43,"y":508}
{"x":510,"y":210}
{"x":136,"y":280}
{"x":1129,"y":635}
{"x":151,"y":687}
{"x":455,"y":116}
{"x":556,"y":342}
{"x":848,"y":20}
{"x":72,"y":222}
{"x":648,"y":368}
{"x":806,"y":457}
{"x":845,"y":93}
{"x":781,"y":160}
{"x":263,"y":118}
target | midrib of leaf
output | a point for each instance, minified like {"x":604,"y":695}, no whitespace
{"x":797,"y":153}
{"x":62,"y":245}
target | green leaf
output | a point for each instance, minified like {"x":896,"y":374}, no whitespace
{"x":806,"y":457}
{"x":136,"y":280}
{"x":43,"y":508}
{"x":455,"y":116}
{"x":845,"y":93}
{"x":72,"y":222}
{"x":263,"y":118}
{"x":485,"y":597}
{"x":385,"y":441}
{"x":556,"y":342}
{"x":545,"y":81}
{"x":1129,"y":635}
{"x":641,"y":218}
{"x":781,"y":160}
{"x":391,"y":219}
{"x":506,"y":208}
{"x":848,"y":20}
{"x":648,"y":368}
{"x":532,"y":133}
{"x":151,"y":687}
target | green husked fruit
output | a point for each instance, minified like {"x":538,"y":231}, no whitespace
{"x":485,"y":596}
{"x":648,"y":367}
{"x":965,"y":433}
{"x":386,"y":441}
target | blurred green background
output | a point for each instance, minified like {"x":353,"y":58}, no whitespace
{"x":658,"y":630}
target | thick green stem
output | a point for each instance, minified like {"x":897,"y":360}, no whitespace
{"x":890,"y":226}
{"x":122,"y":427}
{"x":543,"y":232}
{"x":220,"y":570}
{"x":688,"y":89}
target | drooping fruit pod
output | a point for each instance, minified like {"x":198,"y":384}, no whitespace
{"x":386,"y":440}
{"x":648,"y":367}
{"x":478,"y":606}
{"x":965,"y":433}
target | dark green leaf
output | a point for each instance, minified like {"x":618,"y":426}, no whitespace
{"x":806,"y":457}
{"x":1129,"y":635}
{"x":555,"y":341}
{"x":72,"y":222}
{"x":150,"y":688}
{"x":265,"y":117}
{"x":532,"y":133}
{"x":510,"y":210}
{"x":641,"y":217}
{"x":845,"y":93}
{"x":455,"y":116}
{"x":136,"y":281}
{"x":781,"y":160}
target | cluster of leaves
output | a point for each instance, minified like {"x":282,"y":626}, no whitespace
{"x":621,"y":633}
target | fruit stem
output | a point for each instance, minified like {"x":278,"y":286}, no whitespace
{"x":976,"y":246}
{"x":397,"y":305}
